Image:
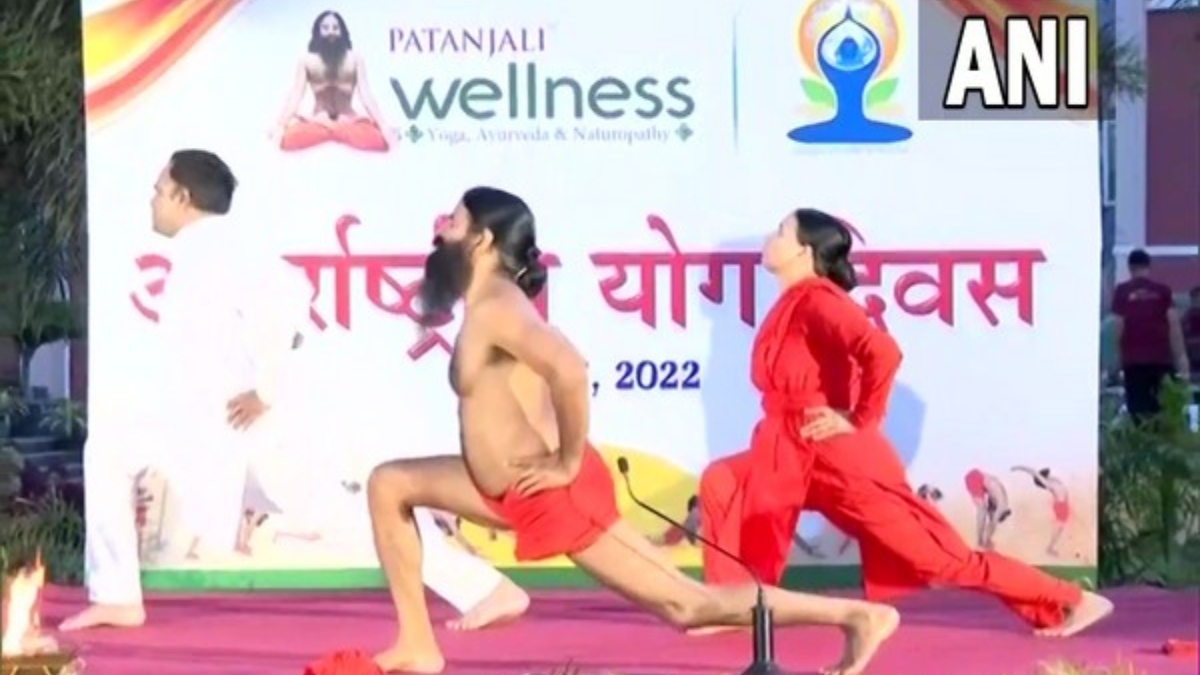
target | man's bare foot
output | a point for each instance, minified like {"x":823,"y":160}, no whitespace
{"x":95,"y":616}
{"x":1091,"y":609}
{"x":864,"y":635}
{"x":403,"y":659}
{"x":504,"y":604}
{"x":713,"y":630}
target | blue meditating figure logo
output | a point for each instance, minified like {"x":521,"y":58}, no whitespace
{"x":849,"y":49}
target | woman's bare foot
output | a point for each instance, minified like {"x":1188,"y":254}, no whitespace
{"x":866,"y":632}
{"x":95,"y":616}
{"x":1091,"y":609}
{"x":404,"y":659}
{"x":504,"y":604}
{"x":713,"y":630}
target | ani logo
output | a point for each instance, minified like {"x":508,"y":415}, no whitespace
{"x":848,"y":54}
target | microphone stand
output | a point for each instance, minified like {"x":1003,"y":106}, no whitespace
{"x":762,"y":624}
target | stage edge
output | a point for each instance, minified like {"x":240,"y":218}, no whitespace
{"x":815,"y":576}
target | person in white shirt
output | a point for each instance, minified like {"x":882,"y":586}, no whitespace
{"x":229,"y":324}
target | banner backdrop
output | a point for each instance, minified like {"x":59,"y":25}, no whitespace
{"x":658,"y":145}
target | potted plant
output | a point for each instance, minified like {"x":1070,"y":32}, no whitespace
{"x":12,"y":410}
{"x":67,"y":421}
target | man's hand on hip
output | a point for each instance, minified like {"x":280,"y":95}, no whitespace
{"x":244,"y":410}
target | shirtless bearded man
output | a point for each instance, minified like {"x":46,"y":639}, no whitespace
{"x":526,"y":464}
{"x":335,"y":73}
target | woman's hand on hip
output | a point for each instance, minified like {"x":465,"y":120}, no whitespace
{"x":823,"y":423}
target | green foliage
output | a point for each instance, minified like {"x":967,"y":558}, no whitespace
{"x":1121,"y":68}
{"x":41,"y":112}
{"x":11,"y":466}
{"x":52,"y":527}
{"x":1149,"y":526}
{"x":42,"y":176}
{"x":65,"y":419}
{"x":12,"y":406}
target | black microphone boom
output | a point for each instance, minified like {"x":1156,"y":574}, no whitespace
{"x":761,"y":625}
{"x":623,"y":467}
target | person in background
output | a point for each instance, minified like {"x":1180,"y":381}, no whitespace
{"x":1149,"y":336}
{"x":1190,"y":323}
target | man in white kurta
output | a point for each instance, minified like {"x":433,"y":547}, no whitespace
{"x":229,"y":321}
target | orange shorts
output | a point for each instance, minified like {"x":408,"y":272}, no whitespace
{"x":563,"y":520}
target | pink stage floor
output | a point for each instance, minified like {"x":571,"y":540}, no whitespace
{"x":945,"y":633}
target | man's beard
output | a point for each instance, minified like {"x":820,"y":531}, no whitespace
{"x":332,"y":51}
{"x":447,"y":274}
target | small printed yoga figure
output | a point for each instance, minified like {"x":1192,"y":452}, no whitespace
{"x":807,"y":547}
{"x":929,"y":493}
{"x":451,"y":526}
{"x":814,"y":551}
{"x":1060,"y":504}
{"x":991,"y":506}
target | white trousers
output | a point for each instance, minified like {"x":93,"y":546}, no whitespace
{"x":208,"y":485}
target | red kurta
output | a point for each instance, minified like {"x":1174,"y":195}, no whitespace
{"x":817,"y":348}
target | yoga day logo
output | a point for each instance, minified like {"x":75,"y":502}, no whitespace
{"x":848,"y":53}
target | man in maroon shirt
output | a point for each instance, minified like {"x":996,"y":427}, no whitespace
{"x":1191,"y":334}
{"x":1150,"y":336}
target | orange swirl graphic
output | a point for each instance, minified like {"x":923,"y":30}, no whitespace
{"x":128,"y":47}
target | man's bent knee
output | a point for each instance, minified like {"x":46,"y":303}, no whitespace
{"x":388,"y":482}
{"x":720,"y":480}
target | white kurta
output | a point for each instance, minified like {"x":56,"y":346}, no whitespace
{"x":228,"y":321}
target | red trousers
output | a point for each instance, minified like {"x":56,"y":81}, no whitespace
{"x":858,"y":483}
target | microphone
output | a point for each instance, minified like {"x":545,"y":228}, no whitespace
{"x":762,"y":626}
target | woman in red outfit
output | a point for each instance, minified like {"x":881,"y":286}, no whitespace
{"x":825,"y":373}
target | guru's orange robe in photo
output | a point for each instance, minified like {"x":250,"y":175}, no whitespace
{"x":815,"y":348}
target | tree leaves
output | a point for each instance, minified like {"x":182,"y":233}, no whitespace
{"x":1120,"y":68}
{"x":42,"y":171}
{"x":42,"y":136}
